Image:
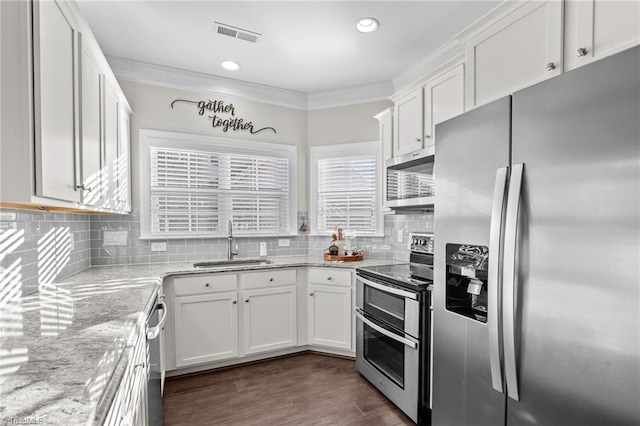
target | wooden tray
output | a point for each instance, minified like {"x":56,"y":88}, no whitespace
{"x":351,"y":258}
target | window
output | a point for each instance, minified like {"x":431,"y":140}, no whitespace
{"x":345,"y":188}
{"x":191,"y":186}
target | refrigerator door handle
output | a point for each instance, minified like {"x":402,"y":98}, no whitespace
{"x":495,"y":280}
{"x":510,"y":281}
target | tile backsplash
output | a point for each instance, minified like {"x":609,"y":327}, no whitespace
{"x":37,"y":247}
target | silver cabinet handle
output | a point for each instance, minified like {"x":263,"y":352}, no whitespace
{"x":494,"y":282}
{"x":386,"y":332}
{"x":83,"y":188}
{"x":418,"y":139}
{"x":509,"y":281}
{"x":427,"y":136}
{"x":582,"y":52}
{"x":153,"y":332}
{"x":387,"y":289}
{"x":551,"y":66}
{"x":415,"y":154}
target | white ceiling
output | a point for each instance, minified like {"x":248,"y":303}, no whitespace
{"x":306,"y":46}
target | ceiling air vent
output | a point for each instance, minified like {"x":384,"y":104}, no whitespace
{"x":236,"y":32}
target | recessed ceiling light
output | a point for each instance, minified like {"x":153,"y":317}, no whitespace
{"x":230,"y":65}
{"x":367,"y":25}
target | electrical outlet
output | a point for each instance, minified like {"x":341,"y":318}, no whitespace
{"x":399,"y":236}
{"x":114,"y":238}
{"x":159,"y":246}
{"x":284,"y":242}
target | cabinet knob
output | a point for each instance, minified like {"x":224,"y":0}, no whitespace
{"x":206,"y":285}
{"x":310,"y":294}
{"x":234,"y":302}
{"x":418,"y":139}
{"x":246,"y":301}
{"x":581,"y":52}
{"x":427,"y":136}
{"x":270,"y":280}
{"x":84,"y":188}
{"x":551,"y":66}
{"x":329,"y":278}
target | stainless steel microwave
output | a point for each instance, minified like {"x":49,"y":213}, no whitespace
{"x":410,"y":183}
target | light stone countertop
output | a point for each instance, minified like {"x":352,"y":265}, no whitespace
{"x":63,"y":350}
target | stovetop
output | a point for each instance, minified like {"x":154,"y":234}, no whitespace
{"x":399,"y":274}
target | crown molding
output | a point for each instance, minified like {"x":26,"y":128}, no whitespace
{"x":363,"y":93}
{"x":490,"y":18}
{"x":428,"y":67}
{"x":157,"y":75}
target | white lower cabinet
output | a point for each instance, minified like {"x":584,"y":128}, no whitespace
{"x":129,"y":406}
{"x":205,"y":318}
{"x":330,"y":308}
{"x":269,"y":319}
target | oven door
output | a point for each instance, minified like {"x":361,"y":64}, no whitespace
{"x":396,"y":306}
{"x":389,"y":359}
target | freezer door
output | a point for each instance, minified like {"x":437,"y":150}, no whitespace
{"x":577,"y":276}
{"x":469,"y":150}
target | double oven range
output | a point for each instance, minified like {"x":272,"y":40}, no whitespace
{"x":393,"y":328}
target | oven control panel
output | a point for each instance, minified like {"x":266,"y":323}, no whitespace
{"x":421,"y":242}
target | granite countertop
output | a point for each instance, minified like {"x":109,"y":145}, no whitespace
{"x":63,"y":350}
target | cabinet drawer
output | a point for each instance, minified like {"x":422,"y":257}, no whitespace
{"x":330,"y":276}
{"x":271,"y":278}
{"x":199,"y":284}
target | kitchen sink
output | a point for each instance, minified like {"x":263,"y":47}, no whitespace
{"x":234,"y":262}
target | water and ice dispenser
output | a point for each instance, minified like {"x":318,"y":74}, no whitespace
{"x":466,"y":280}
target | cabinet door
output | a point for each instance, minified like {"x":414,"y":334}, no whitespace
{"x":205,"y":328}
{"x":385,"y":132}
{"x":330,"y":316}
{"x":407,"y":124}
{"x":521,"y":49}
{"x":124,"y":160}
{"x":269,"y":319}
{"x":55,"y":90}
{"x":598,"y":28}
{"x":92,"y":81}
{"x":443,"y":99}
{"x":110,"y":146}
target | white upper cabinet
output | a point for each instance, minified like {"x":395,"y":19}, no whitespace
{"x":55,"y":107}
{"x":407,"y":123}
{"x":385,"y":132}
{"x":110,"y":148}
{"x":65,"y":128}
{"x":443,"y":99}
{"x":521,"y":49}
{"x":598,"y":28}
{"x":91,"y":89}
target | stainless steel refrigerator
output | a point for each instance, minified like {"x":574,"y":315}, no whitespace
{"x":537,"y":260}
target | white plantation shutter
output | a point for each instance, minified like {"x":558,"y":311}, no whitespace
{"x":194,"y":192}
{"x":346,"y":189}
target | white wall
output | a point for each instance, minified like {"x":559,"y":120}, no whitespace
{"x":353,"y":123}
{"x":152,"y":110}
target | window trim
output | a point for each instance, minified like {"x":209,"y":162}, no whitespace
{"x":343,"y":150}
{"x":163,"y":139}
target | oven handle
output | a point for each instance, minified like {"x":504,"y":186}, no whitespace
{"x":387,"y":289}
{"x":386,"y":332}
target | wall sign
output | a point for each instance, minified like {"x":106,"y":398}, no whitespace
{"x":219,"y":109}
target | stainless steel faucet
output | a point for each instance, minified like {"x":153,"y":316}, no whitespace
{"x":230,"y":251}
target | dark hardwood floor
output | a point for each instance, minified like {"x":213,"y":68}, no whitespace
{"x":303,"y":389}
